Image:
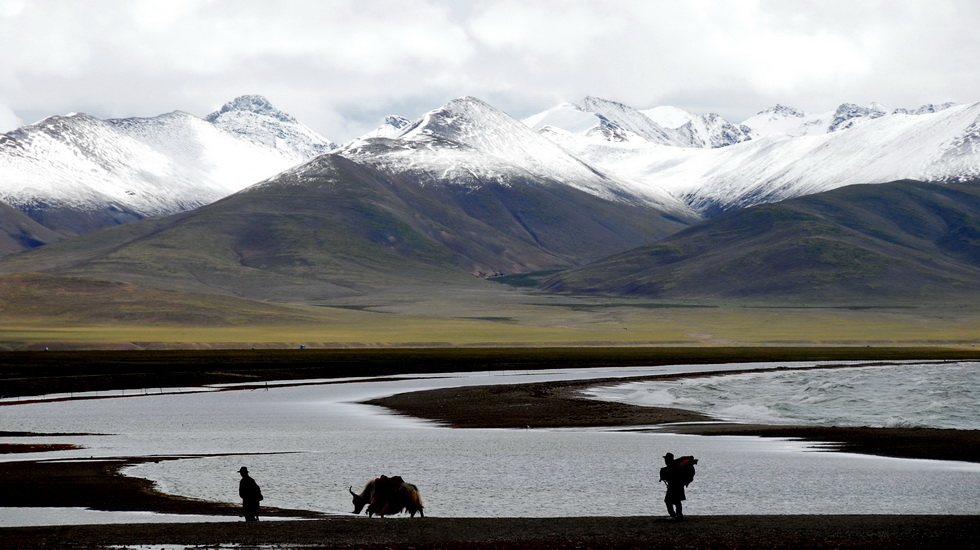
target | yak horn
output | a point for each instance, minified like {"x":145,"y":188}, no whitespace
{"x":352,"y":491}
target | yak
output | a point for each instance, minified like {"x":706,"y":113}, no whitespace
{"x":386,"y":496}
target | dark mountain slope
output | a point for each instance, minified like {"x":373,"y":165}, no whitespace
{"x":335,"y":227}
{"x":19,"y":232}
{"x":897,"y":241}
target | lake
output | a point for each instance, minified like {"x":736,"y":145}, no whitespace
{"x":305,"y":445}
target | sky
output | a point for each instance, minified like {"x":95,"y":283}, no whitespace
{"x":340,"y":66}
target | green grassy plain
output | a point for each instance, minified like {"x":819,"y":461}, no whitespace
{"x":526,"y":320}
{"x":56,"y":312}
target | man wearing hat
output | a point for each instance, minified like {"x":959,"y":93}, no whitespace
{"x":249,"y":490}
{"x":669,"y":474}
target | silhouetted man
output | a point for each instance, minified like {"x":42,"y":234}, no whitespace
{"x":249,"y":490}
{"x":671,"y":475}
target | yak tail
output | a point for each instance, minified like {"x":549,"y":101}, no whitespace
{"x":417,"y":503}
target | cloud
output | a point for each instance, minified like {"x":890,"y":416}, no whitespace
{"x":9,"y":120}
{"x":341,"y":65}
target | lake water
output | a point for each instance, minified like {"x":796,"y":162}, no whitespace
{"x":935,"y":395}
{"x":306,"y":445}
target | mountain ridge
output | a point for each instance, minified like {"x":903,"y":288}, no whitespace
{"x":77,"y":173}
{"x":932,"y":146}
{"x":465,"y":193}
{"x":898,"y":241}
{"x":370,"y":215}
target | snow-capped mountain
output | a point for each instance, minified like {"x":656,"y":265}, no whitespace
{"x":925,"y":109}
{"x":464,"y":191}
{"x":606,"y":120}
{"x":705,"y":131}
{"x":65,"y":168}
{"x":784,"y":120}
{"x":469,"y":143}
{"x":392,"y":127}
{"x":868,"y":147}
{"x":795,"y":123}
{"x":76,"y":173}
{"x":254,"y":118}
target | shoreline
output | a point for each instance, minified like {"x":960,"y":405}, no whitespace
{"x":99,"y":484}
{"x":32,"y":373}
{"x":559,"y":405}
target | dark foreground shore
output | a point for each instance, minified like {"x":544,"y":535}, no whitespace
{"x":98,"y":484}
{"x":720,"y":532}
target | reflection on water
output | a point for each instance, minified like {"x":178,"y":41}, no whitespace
{"x":324,"y":441}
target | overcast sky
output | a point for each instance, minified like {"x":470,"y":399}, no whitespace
{"x":340,"y":66}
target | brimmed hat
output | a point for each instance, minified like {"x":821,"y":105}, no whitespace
{"x":669,"y":455}
{"x":243,"y":470}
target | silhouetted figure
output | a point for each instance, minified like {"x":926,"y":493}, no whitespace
{"x":671,"y":475}
{"x":249,"y":490}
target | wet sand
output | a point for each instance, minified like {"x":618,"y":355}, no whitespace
{"x":97,"y":484}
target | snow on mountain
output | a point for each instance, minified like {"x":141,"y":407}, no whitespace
{"x":566,"y":116}
{"x":618,"y":116}
{"x":782,"y":120}
{"x":849,"y":114}
{"x":605,"y":120}
{"x":940,"y":146}
{"x":669,"y":116}
{"x":925,"y":109}
{"x":254,"y":118}
{"x":663,"y":157}
{"x":392,"y":126}
{"x":468,"y":142}
{"x":713,"y":131}
{"x":708,"y":130}
{"x":145,"y":166}
{"x":794,"y":123}
{"x":612,"y":121}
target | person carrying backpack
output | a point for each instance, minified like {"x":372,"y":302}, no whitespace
{"x":677,"y":474}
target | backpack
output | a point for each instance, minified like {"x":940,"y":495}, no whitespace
{"x":685,"y":469}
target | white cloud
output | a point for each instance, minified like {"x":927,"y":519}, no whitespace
{"x":9,"y":120}
{"x":339,"y":65}
{"x":547,"y":29}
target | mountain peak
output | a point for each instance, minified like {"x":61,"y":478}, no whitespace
{"x":462,"y":119}
{"x":252,"y":117}
{"x":925,"y":109}
{"x":848,"y":114}
{"x":783,"y":110}
{"x":396,"y":121}
{"x":468,"y":105}
{"x":592,"y":103}
{"x":253,"y":104}
{"x":620,"y":121}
